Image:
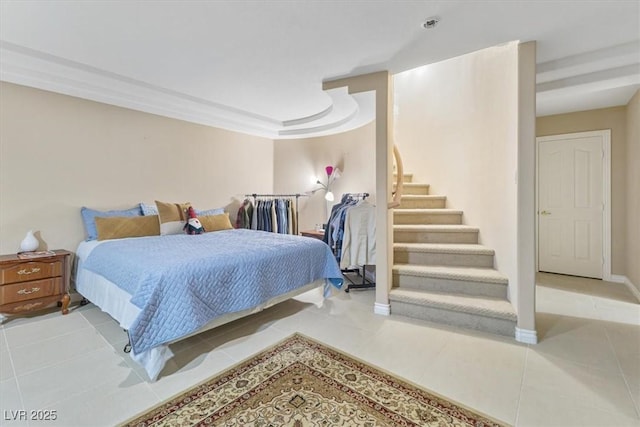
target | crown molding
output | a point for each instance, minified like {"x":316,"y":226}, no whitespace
{"x":27,"y":67}
{"x":595,"y":79}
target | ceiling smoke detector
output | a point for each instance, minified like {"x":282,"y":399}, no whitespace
{"x":431,"y":22}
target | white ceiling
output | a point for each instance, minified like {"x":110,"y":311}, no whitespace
{"x":258,"y":66}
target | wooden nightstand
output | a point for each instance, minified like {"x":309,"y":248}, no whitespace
{"x":28,"y":285}
{"x":313,"y":233}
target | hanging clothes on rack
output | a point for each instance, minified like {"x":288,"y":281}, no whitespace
{"x":273,"y":215}
{"x":265,"y":222}
{"x":333,"y":223}
{"x":276,"y":213}
{"x":359,"y":224}
{"x":359,"y":241}
{"x":282,"y":216}
{"x":294,"y":217}
{"x":245,"y":212}
{"x":290,"y":216}
{"x":350,"y":233}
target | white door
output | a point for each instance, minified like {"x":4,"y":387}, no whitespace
{"x":570,"y":204}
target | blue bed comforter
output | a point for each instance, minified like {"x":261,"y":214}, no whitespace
{"x":181,"y":282}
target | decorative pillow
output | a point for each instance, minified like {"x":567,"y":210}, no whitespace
{"x":89,"y":215}
{"x":173,"y":217}
{"x":148,"y":209}
{"x":215,"y":222}
{"x":119,"y":227}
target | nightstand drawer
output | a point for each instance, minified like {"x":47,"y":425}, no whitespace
{"x":30,"y":290}
{"x":32,"y":270}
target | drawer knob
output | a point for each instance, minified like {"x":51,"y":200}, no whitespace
{"x":25,"y":291}
{"x":26,"y":272}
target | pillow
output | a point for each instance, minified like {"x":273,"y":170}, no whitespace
{"x":217,"y":211}
{"x":215,"y":222}
{"x":118,"y":227}
{"x":148,"y":209}
{"x":89,"y":215}
{"x":172,"y":216}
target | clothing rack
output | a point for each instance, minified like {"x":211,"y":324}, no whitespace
{"x":353,"y":285}
{"x":356,"y":195}
{"x":297,"y":196}
{"x":254,"y":195}
{"x":365,"y":283}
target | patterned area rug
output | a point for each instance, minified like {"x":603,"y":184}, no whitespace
{"x":300,"y":382}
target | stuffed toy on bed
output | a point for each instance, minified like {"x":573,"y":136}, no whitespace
{"x":193,"y":225}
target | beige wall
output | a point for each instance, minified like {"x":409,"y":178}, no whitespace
{"x":457,"y":129}
{"x":298,"y":163}
{"x":633,"y":190}
{"x":607,"y":118}
{"x":58,"y":153}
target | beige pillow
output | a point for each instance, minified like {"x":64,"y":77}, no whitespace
{"x":172,"y":216}
{"x":215,"y":222}
{"x":119,"y":227}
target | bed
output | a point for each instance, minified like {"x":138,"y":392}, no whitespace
{"x":165,"y":288}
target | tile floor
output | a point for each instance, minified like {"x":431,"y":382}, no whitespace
{"x":584,"y":371}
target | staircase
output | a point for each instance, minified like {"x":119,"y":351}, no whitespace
{"x":440,"y":272}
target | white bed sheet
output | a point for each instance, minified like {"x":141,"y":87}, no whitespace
{"x":116,"y":302}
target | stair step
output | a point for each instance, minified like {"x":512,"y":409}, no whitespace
{"x":416,"y":201}
{"x":435,"y":233}
{"x":498,"y":308}
{"x":495,"y":315}
{"x":445,"y":248}
{"x":406,"y":177}
{"x":440,"y":272}
{"x":427,"y":216}
{"x":448,"y":254}
{"x":488,"y":275}
{"x":463,"y":280}
{"x":413,"y":188}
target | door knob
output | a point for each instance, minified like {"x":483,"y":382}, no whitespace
{"x":545,"y":213}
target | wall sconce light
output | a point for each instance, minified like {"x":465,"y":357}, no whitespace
{"x":332,"y":175}
{"x":329,"y":196}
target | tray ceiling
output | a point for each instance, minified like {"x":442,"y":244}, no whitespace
{"x":258,"y":66}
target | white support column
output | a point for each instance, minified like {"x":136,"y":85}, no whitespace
{"x":526,"y":271}
{"x":381,"y":83}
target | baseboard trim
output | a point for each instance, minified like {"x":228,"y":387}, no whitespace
{"x":382,"y":309}
{"x":526,"y":336}
{"x":619,"y":278}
